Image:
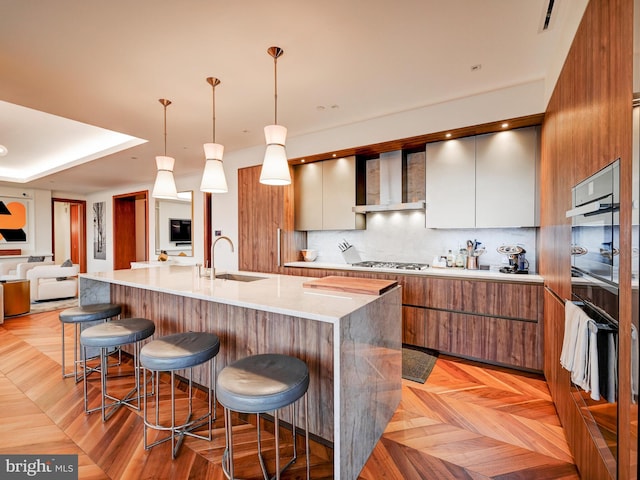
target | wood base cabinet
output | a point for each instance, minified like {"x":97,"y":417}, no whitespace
{"x":495,"y":322}
{"x":498,"y":322}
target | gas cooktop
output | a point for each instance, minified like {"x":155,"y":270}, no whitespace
{"x":396,"y":265}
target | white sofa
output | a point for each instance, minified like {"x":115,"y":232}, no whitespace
{"x":18,"y":270}
{"x":45,"y":283}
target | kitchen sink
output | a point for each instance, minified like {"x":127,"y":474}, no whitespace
{"x":238,"y":278}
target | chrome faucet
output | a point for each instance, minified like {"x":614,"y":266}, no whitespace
{"x":213,"y":268}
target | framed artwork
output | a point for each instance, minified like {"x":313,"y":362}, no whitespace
{"x":14,"y":220}
{"x":99,"y":231}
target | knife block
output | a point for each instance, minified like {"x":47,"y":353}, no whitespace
{"x":351,"y":255}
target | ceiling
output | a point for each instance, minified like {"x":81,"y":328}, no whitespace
{"x":106,"y":64}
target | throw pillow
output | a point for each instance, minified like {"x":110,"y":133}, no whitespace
{"x":66,"y":263}
{"x":33,"y":259}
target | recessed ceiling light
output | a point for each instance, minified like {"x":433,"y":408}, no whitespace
{"x":335,"y":107}
{"x":476,"y":67}
{"x":334,"y":155}
{"x":302,"y":161}
{"x":3,"y":150}
{"x":320,"y":108}
{"x":505,"y":125}
{"x":448,"y":135}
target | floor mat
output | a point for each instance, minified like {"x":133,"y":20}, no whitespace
{"x":417,"y":363}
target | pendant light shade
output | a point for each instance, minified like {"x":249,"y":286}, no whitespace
{"x":165,"y":185}
{"x":275,"y":168}
{"x":213,"y":178}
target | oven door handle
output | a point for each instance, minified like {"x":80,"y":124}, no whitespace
{"x":584,"y":209}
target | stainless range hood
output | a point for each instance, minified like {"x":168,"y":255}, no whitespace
{"x":390,"y":187}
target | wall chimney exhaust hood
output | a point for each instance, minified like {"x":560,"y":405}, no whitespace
{"x":391,"y":182}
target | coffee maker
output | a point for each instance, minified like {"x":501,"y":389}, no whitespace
{"x":517,"y":260}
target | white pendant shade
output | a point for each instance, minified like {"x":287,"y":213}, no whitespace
{"x":213,"y":178}
{"x":165,"y":185}
{"x":275,"y":168}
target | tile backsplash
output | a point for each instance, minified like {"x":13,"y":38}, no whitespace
{"x":402,"y":237}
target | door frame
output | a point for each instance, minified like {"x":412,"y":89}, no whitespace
{"x":82,"y":241}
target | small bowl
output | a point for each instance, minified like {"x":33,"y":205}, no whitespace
{"x":309,"y":255}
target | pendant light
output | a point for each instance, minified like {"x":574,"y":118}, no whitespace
{"x":275,"y":168}
{"x":165,"y":185}
{"x":213,"y":179}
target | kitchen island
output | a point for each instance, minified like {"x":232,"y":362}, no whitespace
{"x":350,"y":342}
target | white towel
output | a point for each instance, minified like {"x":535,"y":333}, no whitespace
{"x":580,"y":372}
{"x":572,"y":316}
{"x":612,"y":387}
{"x":594,"y":370}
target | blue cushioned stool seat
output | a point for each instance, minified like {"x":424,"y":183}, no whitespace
{"x":84,"y":316}
{"x":260,"y":384}
{"x":107,"y":336}
{"x":90,"y":313}
{"x":180,"y":351}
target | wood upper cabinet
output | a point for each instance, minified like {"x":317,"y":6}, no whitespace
{"x":266,"y":239}
{"x":506,"y":187}
{"x":325,"y":193}
{"x":484,"y":181}
{"x":451,"y":188}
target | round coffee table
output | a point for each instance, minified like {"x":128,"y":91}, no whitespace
{"x":17,"y":297}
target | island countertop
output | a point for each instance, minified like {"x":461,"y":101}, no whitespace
{"x":283,"y":294}
{"x":351,"y":343}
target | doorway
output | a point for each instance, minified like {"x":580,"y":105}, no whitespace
{"x":130,"y":229}
{"x":69,"y":231}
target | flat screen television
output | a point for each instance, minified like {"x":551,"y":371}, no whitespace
{"x":179,"y":230}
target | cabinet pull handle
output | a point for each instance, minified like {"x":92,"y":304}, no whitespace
{"x":278,"y":234}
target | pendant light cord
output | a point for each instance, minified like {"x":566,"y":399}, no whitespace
{"x":275,"y":89}
{"x":165,"y":130}
{"x":213,"y":102}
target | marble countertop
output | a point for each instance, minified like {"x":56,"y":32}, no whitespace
{"x":282,"y":294}
{"x":437,"y":272}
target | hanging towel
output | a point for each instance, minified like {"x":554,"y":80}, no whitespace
{"x":594,"y":367}
{"x":572,"y":316}
{"x":612,"y":388}
{"x":580,"y":373}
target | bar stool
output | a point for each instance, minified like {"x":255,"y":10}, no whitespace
{"x":107,"y":336}
{"x":260,"y":384}
{"x":82,"y":316}
{"x":168,"y":354}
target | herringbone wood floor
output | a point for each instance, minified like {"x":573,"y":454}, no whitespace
{"x":468,"y":421}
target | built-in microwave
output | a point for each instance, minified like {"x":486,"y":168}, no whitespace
{"x":595,"y":228}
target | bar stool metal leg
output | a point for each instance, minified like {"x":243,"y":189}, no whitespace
{"x":105,"y":337}
{"x":160,"y":355}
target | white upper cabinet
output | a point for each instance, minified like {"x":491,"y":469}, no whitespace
{"x":325,"y":193}
{"x":307,"y":183}
{"x":451,"y":187}
{"x":483,"y":181}
{"x":506,"y":178}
